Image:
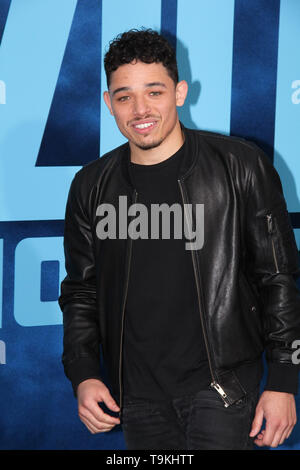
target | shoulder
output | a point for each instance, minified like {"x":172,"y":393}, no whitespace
{"x":227,"y":146}
{"x":244,"y":160}
{"x":235,"y":152}
{"x":92,"y":173}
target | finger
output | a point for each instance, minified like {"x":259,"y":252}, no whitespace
{"x":93,"y":408}
{"x":89,"y":426}
{"x":274,"y":433}
{"x":283,"y":432}
{"x":110,"y":402}
{"x":293,"y":421}
{"x":284,"y":436}
{"x":257,"y":422}
{"x":92,"y":428}
{"x":270,"y":432}
{"x":265,"y":438}
{"x":259,"y":438}
{"x":97,"y":423}
{"x":289,"y":431}
{"x":277,"y":437}
{"x":259,"y":443}
{"x":99,"y":415}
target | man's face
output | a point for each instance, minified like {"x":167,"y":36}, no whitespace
{"x":143,"y":99}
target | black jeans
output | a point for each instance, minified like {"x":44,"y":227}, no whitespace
{"x":198,"y":421}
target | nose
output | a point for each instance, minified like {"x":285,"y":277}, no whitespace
{"x":141,"y":106}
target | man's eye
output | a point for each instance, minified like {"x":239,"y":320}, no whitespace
{"x":155,"y":93}
{"x":123,"y":98}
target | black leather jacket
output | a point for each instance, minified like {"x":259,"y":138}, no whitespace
{"x":245,"y":273}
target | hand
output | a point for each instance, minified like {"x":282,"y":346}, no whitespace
{"x":89,"y":393}
{"x":279,"y":410}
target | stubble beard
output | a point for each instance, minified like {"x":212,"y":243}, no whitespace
{"x":153,"y":145}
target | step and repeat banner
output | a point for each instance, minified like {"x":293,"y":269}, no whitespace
{"x":242,"y":62}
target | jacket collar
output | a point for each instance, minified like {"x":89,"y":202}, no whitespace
{"x":187,"y":162}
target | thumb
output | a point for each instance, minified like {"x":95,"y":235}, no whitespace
{"x":110,"y":402}
{"x":257,"y":422}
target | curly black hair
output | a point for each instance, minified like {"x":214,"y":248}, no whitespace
{"x":145,"y":45}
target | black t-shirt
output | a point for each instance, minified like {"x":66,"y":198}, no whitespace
{"x":163,"y":350}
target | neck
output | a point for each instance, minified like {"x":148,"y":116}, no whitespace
{"x":166,"y":149}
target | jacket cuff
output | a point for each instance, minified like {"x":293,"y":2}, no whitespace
{"x":82,"y":369}
{"x":282,"y":377}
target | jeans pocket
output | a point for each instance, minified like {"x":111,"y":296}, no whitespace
{"x":136,"y":409}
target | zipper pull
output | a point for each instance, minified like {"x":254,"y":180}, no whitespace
{"x":270,"y":223}
{"x":221,"y":392}
{"x":270,"y":231}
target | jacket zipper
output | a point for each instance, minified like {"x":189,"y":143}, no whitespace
{"x":123,"y":313}
{"x":270,"y":231}
{"x":214,"y":384}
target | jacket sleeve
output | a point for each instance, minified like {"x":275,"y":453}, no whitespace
{"x":81,"y":340}
{"x":273,"y":259}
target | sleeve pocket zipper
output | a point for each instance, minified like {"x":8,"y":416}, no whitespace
{"x":270,"y":231}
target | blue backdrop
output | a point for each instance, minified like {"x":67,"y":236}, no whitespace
{"x":241,"y":60}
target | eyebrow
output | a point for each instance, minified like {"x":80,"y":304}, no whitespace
{"x":147,"y":85}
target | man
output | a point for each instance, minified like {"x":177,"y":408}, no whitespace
{"x":182,"y":328}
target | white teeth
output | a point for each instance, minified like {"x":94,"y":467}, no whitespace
{"x":142,"y":126}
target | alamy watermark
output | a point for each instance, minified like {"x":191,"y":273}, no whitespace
{"x":160,"y":222}
{"x":296,"y":353}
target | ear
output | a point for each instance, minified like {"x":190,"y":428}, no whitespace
{"x":107,"y":100}
{"x":181,"y":92}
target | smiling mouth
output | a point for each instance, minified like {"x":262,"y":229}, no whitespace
{"x":144,"y":127}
